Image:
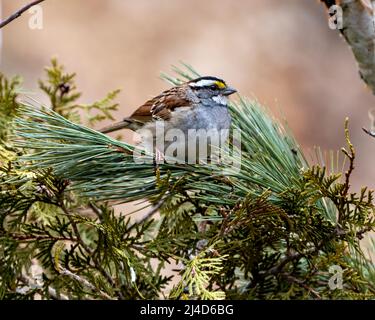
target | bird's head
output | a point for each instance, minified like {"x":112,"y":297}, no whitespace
{"x":211,"y":89}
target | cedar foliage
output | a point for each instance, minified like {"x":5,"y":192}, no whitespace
{"x":265,"y":225}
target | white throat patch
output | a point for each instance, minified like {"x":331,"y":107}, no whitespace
{"x":220,"y":99}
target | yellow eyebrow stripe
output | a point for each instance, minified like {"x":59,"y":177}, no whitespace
{"x":220,"y":84}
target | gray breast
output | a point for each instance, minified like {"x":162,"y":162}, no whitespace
{"x":202,"y":117}
{"x":184,"y":132}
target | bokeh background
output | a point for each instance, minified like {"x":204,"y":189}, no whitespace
{"x":279,"y":52}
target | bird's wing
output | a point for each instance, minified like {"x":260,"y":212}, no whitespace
{"x":158,"y":108}
{"x":161,"y":106}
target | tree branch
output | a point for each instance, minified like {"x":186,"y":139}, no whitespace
{"x":32,"y":238}
{"x":154,"y":209}
{"x":97,"y":264}
{"x":18,"y":13}
{"x":337,"y":232}
{"x":85,"y":283}
{"x":301,"y":283}
{"x":329,"y":3}
{"x":359,"y":32}
{"x":372,"y":134}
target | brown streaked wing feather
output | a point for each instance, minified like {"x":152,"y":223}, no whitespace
{"x":161,"y":106}
{"x":143,"y":113}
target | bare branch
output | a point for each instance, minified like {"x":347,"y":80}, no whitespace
{"x":85,"y":283}
{"x":359,"y":32}
{"x":96,"y":210}
{"x":154,"y":209}
{"x":151,"y":212}
{"x":18,"y":13}
{"x":370,"y":133}
{"x":32,"y":238}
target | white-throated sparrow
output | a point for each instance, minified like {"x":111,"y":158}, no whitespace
{"x":197,"y":105}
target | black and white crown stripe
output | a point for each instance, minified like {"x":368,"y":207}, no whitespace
{"x":205,"y":82}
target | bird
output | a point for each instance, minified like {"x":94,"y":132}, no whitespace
{"x":199,"y":105}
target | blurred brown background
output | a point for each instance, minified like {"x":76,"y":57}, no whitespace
{"x":281,"y":52}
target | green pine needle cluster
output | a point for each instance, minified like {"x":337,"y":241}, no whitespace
{"x":263,"y":224}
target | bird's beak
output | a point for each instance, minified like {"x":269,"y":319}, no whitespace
{"x":228,"y":91}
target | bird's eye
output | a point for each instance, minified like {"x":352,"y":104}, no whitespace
{"x":213,"y":87}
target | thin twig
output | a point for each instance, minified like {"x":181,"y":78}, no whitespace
{"x":96,"y":210}
{"x":27,"y":238}
{"x":289,"y":258}
{"x":301,"y":283}
{"x":75,"y":228}
{"x":337,"y":232}
{"x":85,"y":283}
{"x":351,"y":156}
{"x":18,"y":13}
{"x":150,"y":213}
{"x":361,"y":232}
{"x":370,"y":133}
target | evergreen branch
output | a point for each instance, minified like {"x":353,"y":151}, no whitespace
{"x":196,"y":277}
{"x":97,"y":264}
{"x":18,"y":13}
{"x":271,"y":217}
{"x":294,"y":257}
{"x":351,"y":156}
{"x":75,"y":229}
{"x":8,"y":105}
{"x":104,"y":168}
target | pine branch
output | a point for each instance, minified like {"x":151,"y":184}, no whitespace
{"x":101,"y":167}
{"x":267,"y":218}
